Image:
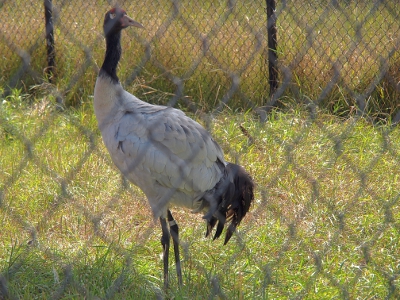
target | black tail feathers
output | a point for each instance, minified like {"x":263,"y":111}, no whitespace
{"x":234,"y":195}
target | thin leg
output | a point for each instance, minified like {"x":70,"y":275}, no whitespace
{"x":165,"y":241}
{"x":174,"y":229}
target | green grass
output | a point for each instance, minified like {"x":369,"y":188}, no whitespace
{"x":325,"y":223}
{"x":172,"y":45}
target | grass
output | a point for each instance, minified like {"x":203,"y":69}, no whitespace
{"x":325,"y":223}
{"x":311,"y":45}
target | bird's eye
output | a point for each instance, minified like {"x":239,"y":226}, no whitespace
{"x":112,"y":15}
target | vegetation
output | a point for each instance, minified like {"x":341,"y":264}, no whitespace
{"x":325,"y":223}
{"x":334,"y":53}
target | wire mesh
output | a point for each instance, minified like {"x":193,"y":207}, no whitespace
{"x":81,"y":233}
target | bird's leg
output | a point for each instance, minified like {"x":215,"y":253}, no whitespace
{"x":165,"y":241}
{"x":174,"y":229}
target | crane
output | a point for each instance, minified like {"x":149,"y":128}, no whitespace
{"x":168,"y":155}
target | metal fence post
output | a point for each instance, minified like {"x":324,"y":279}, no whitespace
{"x":48,"y":14}
{"x":272,"y":45}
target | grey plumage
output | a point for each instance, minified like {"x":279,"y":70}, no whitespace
{"x":157,"y":148}
{"x":169,"y":156}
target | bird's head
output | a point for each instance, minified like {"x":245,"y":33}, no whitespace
{"x":116,"y":19}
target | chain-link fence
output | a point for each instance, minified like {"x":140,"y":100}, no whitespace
{"x":325,"y":220}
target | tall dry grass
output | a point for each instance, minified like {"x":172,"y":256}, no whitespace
{"x":333,"y":55}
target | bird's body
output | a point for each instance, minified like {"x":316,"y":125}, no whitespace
{"x":172,"y":158}
{"x":169,"y":156}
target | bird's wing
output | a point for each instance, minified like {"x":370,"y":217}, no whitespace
{"x":177,"y":151}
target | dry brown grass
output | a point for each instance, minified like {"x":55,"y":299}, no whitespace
{"x":236,"y":43}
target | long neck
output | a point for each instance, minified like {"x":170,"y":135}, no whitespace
{"x":113,"y":55}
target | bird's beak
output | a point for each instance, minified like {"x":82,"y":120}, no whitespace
{"x":128,"y":21}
